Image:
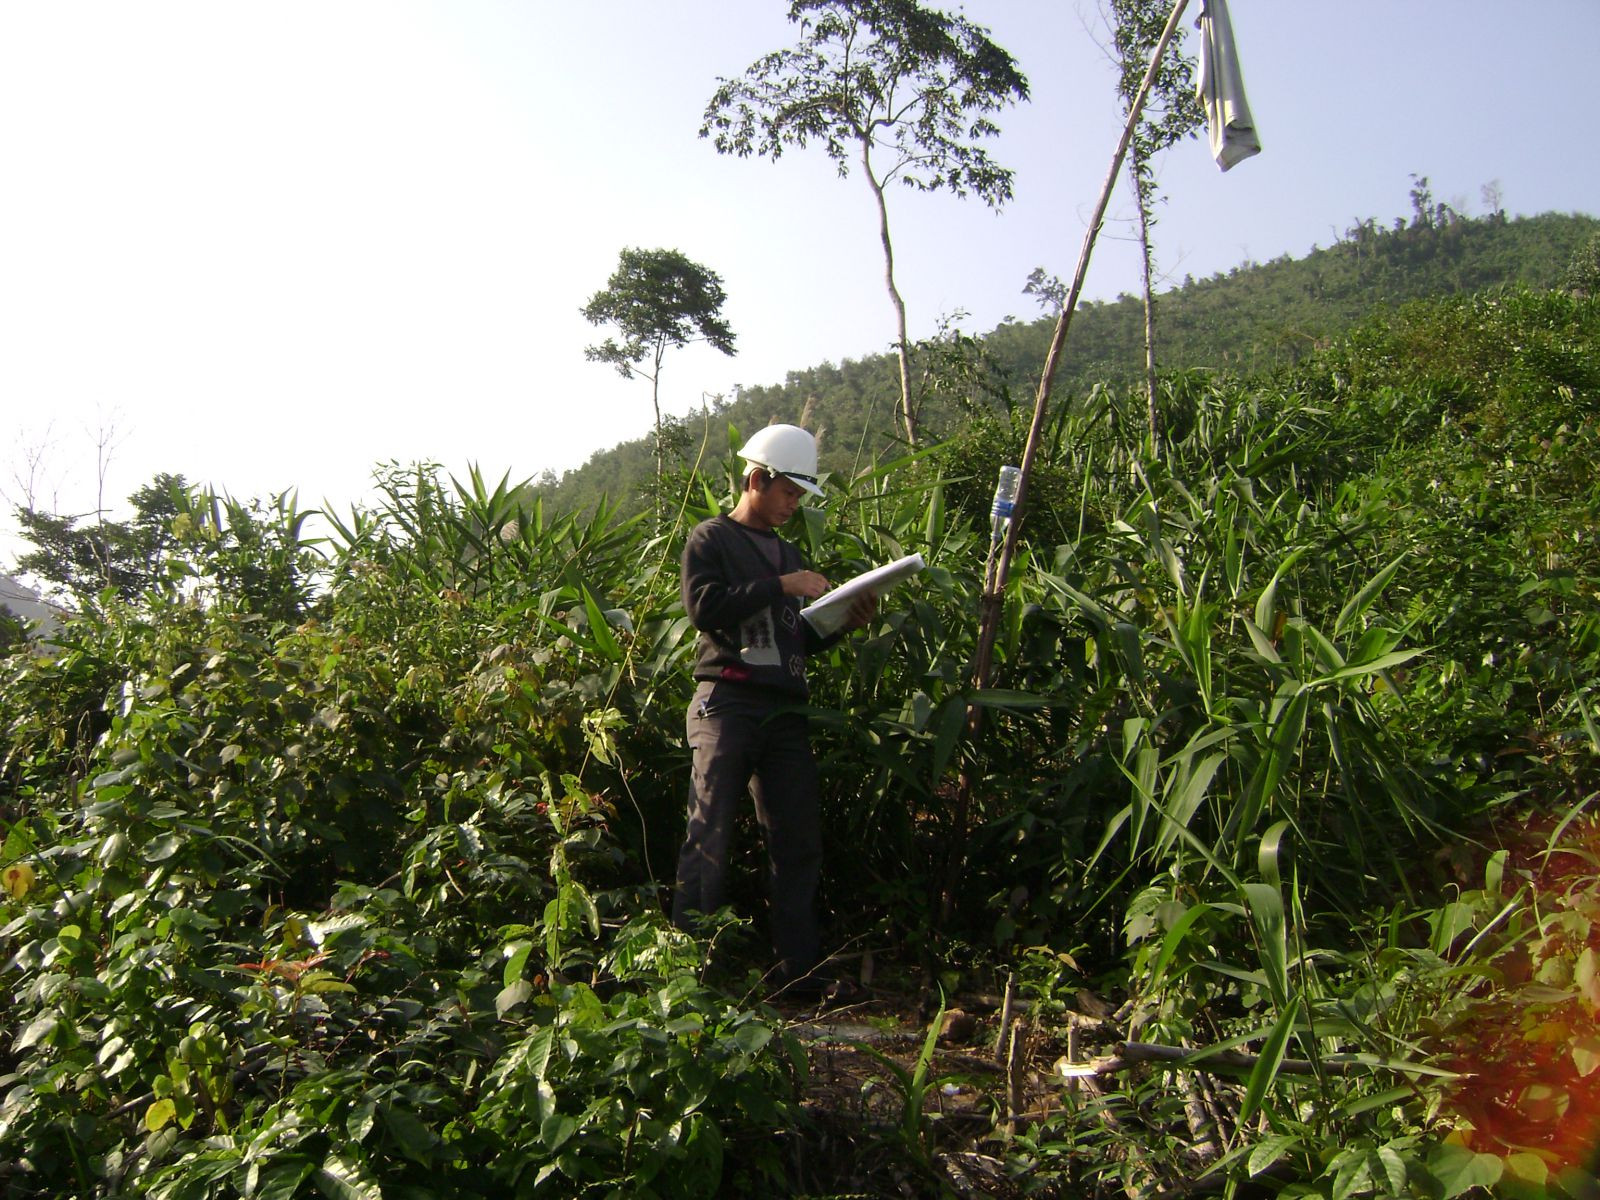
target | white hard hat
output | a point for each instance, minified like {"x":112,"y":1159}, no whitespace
{"x":785,"y":450}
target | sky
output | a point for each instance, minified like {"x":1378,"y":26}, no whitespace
{"x":271,"y":246}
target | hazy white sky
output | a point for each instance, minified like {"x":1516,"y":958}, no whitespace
{"x":268,"y":246}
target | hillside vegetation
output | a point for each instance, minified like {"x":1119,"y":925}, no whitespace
{"x":334,"y":870}
{"x":1251,"y":319}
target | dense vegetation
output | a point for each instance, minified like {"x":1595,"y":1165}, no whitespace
{"x":1251,"y":319}
{"x":330,"y":869}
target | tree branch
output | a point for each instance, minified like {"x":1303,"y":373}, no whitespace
{"x":1128,"y":1055}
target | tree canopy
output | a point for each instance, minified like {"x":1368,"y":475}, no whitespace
{"x":657,"y":300}
{"x":85,"y":559}
{"x":886,"y":75}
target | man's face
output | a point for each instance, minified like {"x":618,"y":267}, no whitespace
{"x":775,"y":503}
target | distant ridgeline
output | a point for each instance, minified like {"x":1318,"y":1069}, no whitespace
{"x":1256,"y":317}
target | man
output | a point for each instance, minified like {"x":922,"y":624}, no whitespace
{"x":743,"y":588}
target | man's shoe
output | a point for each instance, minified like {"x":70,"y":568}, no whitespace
{"x":841,"y":993}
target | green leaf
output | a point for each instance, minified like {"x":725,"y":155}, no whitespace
{"x":911,"y":1118}
{"x":38,"y":1029}
{"x":410,"y":1133}
{"x":1352,"y":1172}
{"x":600,"y":629}
{"x":1458,"y":1169}
{"x":1373,"y":667}
{"x":1270,"y":1150}
{"x":320,"y":931}
{"x":360,"y":1121}
{"x":1327,"y":654}
{"x":1589,"y":725}
{"x":511,"y":995}
{"x":1191,"y":784}
{"x":1261,"y":642}
{"x":1265,"y":1071}
{"x":1586,"y":975}
{"x":1357,"y":606}
{"x":1008,"y":698}
{"x":1285,"y":731}
{"x":1270,"y":852}
{"x":163,"y":848}
{"x":555,"y":1130}
{"x":341,"y":1178}
{"x":1393,"y":1168}
{"x":1091,"y":610}
{"x":1265,"y":905}
{"x":948,"y":726}
{"x":281,"y":1178}
{"x":322,"y":981}
{"x":1174,"y":939}
{"x":752,"y":1037}
{"x":1586,"y":1053}
{"x":1267,"y":602}
{"x":159,"y":1115}
{"x":1385,"y":1099}
{"x":534,"y":1053}
{"x":1527,"y":1167}
{"x":1131,"y":649}
{"x":933,"y":527}
{"x":112,"y":849}
{"x":516,"y":960}
{"x":574,"y":895}
{"x":1494,"y":872}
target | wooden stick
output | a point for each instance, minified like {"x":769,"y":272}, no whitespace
{"x":992,"y":602}
{"x":1014,"y":1078}
{"x":1005,"y":1022}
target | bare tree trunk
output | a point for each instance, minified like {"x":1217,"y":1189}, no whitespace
{"x":908,"y":418}
{"x":104,"y":447}
{"x":28,"y":475}
{"x":655,"y":401}
{"x":1142,"y":202}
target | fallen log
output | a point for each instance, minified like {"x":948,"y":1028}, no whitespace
{"x":1226,"y":1062}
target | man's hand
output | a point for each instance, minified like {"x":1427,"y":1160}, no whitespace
{"x":862,"y":609}
{"x":806,"y":584}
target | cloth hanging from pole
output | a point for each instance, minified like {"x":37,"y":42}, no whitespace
{"x":1221,"y":89}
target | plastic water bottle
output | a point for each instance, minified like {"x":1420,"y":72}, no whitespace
{"x":1005,"y":498}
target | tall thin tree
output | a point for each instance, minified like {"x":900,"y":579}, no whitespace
{"x":656,"y":300}
{"x":1171,"y":113}
{"x":906,"y":91}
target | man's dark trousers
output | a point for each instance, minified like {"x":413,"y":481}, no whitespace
{"x":742,"y":743}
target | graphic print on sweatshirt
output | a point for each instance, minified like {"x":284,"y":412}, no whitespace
{"x":759,"y":644}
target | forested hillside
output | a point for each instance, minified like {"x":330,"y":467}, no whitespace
{"x":1255,"y":317}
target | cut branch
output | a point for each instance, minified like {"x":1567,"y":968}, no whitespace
{"x":1225,"y":1062}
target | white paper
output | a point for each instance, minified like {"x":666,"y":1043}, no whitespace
{"x":828,"y":613}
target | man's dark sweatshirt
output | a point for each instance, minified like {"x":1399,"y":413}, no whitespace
{"x":750,"y":632}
